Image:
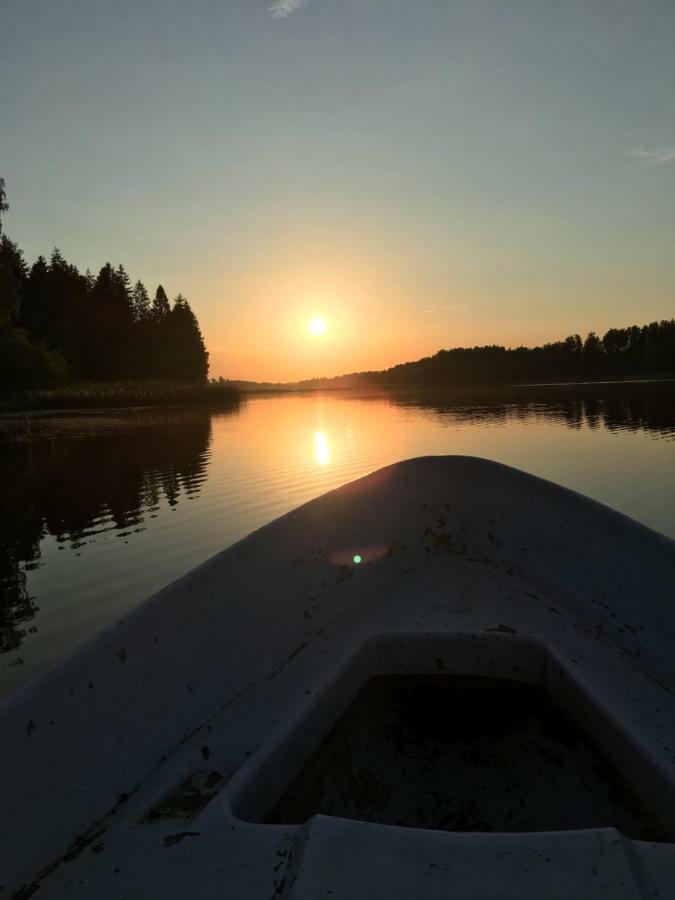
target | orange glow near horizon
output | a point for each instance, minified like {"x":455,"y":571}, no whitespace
{"x":297,"y":343}
{"x":311,"y":312}
{"x":290,"y":323}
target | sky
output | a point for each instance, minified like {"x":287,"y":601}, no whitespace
{"x":422,"y":174}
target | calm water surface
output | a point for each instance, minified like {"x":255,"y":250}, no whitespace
{"x":99,"y":511}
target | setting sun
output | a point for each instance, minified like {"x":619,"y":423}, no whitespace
{"x":317,"y":326}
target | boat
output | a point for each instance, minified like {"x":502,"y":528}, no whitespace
{"x":448,"y":678}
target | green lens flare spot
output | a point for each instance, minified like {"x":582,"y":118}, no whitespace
{"x":357,"y":559}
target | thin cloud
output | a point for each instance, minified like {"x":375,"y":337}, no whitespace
{"x":282,"y":8}
{"x":439,"y":309}
{"x":656,"y":157}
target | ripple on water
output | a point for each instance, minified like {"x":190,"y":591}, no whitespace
{"x":101,"y":511}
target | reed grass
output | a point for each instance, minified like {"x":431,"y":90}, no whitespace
{"x":122,"y":394}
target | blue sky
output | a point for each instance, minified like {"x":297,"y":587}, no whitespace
{"x":424,"y":173}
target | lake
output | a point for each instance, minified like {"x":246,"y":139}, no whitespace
{"x":99,"y":510}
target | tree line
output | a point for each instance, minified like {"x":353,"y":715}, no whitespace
{"x":636,"y":351}
{"x":58,"y":324}
{"x":647,"y":350}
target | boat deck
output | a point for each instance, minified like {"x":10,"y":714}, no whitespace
{"x":481,"y":707}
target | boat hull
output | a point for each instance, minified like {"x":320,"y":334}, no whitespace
{"x":149,"y":762}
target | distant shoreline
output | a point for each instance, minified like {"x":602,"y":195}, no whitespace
{"x":639,"y":352}
{"x":127,"y":396}
{"x":119,"y":395}
{"x":487,"y":386}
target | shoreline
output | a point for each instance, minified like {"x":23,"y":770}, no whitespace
{"x":110,"y":396}
{"x":449,"y":388}
{"x":214,"y":397}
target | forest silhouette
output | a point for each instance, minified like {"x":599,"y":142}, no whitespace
{"x":57,"y":324}
{"x":637,"y":351}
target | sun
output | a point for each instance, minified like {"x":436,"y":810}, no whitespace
{"x":317,"y":326}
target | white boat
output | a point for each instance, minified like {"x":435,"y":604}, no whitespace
{"x":445,"y":679}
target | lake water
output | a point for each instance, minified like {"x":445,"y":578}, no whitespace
{"x":100,"y":510}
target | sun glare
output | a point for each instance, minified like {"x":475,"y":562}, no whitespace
{"x":317,"y":326}
{"x":321,"y":448}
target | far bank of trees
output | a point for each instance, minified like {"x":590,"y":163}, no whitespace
{"x":57,"y":324}
{"x":647,"y":350}
{"x":638,"y":351}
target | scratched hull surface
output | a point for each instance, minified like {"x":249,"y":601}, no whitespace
{"x":266,"y":726}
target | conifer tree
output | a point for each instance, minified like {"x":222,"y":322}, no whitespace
{"x":34,"y":314}
{"x":188,"y":353}
{"x":140,"y":302}
{"x":160,"y":305}
{"x":12,"y":280}
{"x":113,"y":323}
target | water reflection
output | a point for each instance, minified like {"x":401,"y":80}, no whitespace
{"x":620,"y":406}
{"x":99,"y":511}
{"x":321,"y":448}
{"x":83,"y":480}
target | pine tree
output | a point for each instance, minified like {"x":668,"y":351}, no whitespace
{"x":112,"y":331}
{"x":189,"y":358}
{"x":34,"y":314}
{"x":140,"y":302}
{"x":160,"y":305}
{"x":12,"y":281}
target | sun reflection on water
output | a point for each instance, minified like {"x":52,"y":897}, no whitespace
{"x":321,"y":448}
